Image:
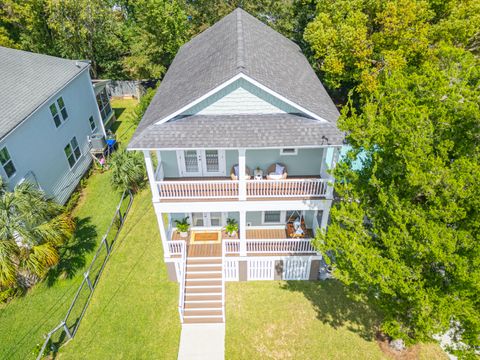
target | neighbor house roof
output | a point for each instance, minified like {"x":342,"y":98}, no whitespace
{"x":238,"y":44}
{"x":27,"y":80}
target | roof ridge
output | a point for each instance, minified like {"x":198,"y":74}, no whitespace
{"x":240,"y":42}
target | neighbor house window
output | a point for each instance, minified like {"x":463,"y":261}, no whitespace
{"x":288,"y":151}
{"x":58,"y":111}
{"x":272,"y":217}
{"x":72,"y":152}
{"x":7,"y":162}
{"x":104,"y":104}
{"x":93,"y":126}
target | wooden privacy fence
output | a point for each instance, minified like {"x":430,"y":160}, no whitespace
{"x":67,"y":328}
{"x":129,"y":88}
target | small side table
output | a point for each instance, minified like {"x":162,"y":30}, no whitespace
{"x":258,"y":174}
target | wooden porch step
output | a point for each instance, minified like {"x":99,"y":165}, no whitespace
{"x":204,"y":261}
{"x":203,"y":305}
{"x":213,"y":320}
{"x":204,"y":269}
{"x":202,"y":312}
{"x":201,"y":297}
{"x":204,"y":291}
{"x":203,"y":276}
{"x":204,"y":283}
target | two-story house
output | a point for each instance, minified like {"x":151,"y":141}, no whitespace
{"x":48,"y":109}
{"x":240,"y":128}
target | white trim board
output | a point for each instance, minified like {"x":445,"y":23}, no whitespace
{"x":230,"y":81}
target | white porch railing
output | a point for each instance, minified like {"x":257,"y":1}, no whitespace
{"x":231,"y":246}
{"x":218,"y":189}
{"x":283,"y":246}
{"x":176,"y":247}
{"x":181,"y":295}
{"x":287,"y":188}
{"x":270,"y":246}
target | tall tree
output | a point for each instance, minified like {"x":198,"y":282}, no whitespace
{"x":406,"y":233}
{"x":356,"y":40}
{"x":277,"y":14}
{"x":87,"y":29}
{"x":155,"y":31}
{"x":31,"y":230}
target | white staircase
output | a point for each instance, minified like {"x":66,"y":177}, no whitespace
{"x":203,"y":291}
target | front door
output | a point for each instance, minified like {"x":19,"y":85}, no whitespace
{"x":198,"y":163}
{"x":207,"y":219}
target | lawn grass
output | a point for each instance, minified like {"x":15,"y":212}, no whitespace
{"x":303,"y":320}
{"x":25,"y":320}
{"x":133,"y":313}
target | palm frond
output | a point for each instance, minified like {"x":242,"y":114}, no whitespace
{"x":8,"y":261}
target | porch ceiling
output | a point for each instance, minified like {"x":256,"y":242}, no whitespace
{"x":238,"y":131}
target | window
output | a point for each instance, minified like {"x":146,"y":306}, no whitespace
{"x":288,"y":151}
{"x":93,"y":126}
{"x":280,"y":217}
{"x":72,"y":152}
{"x":272,"y":217}
{"x":7,"y":162}
{"x":57,"y":111}
{"x":104,"y":104}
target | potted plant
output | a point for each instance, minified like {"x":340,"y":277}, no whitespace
{"x":182,"y":226}
{"x":232,"y":227}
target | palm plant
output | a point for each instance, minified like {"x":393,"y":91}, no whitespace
{"x":128,"y":170}
{"x":32,"y":228}
{"x":232,"y":227}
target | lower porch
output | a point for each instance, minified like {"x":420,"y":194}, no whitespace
{"x":259,"y":242}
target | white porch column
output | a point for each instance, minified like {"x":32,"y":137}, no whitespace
{"x":243,"y":233}
{"x":159,"y":172}
{"x":242,"y":186}
{"x":151,"y":175}
{"x":163,"y":233}
{"x":325,"y":214}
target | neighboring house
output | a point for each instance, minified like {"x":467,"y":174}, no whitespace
{"x":47,"y":112}
{"x":238,"y":97}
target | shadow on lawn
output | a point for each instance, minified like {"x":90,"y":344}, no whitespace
{"x":333,"y":306}
{"x":73,"y":252}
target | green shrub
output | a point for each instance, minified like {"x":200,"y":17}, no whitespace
{"x":128,"y":170}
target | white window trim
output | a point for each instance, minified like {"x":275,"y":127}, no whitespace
{"x":94,"y":123}
{"x":77,"y":160}
{"x":282,"y":216}
{"x":9,"y":160}
{"x":295,"y":152}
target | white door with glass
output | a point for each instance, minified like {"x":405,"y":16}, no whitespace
{"x":207,"y":219}
{"x":197,"y":163}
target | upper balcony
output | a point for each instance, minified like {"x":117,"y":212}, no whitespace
{"x":214,"y":175}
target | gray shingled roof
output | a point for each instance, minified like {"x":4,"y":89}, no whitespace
{"x":27,"y":80}
{"x":238,"y":43}
{"x":234,"y":131}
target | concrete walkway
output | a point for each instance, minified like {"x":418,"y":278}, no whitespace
{"x":202,"y":342}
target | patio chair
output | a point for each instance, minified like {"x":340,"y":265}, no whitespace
{"x":234,"y":172}
{"x":277,"y":171}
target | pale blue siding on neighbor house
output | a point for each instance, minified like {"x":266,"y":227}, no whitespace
{"x":37,"y":147}
{"x":240,"y":97}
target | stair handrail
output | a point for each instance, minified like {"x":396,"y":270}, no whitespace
{"x":181,"y":299}
{"x":223,"y":279}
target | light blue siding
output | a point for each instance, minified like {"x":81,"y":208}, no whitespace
{"x":306,"y":162}
{"x":37,"y":146}
{"x":241,"y":97}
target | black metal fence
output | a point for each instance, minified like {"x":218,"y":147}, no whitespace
{"x":67,"y":328}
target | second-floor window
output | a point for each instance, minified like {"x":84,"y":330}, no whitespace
{"x":59,"y":112}
{"x":72,"y":152}
{"x":93,"y":126}
{"x":7,"y":162}
{"x":104,"y":104}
